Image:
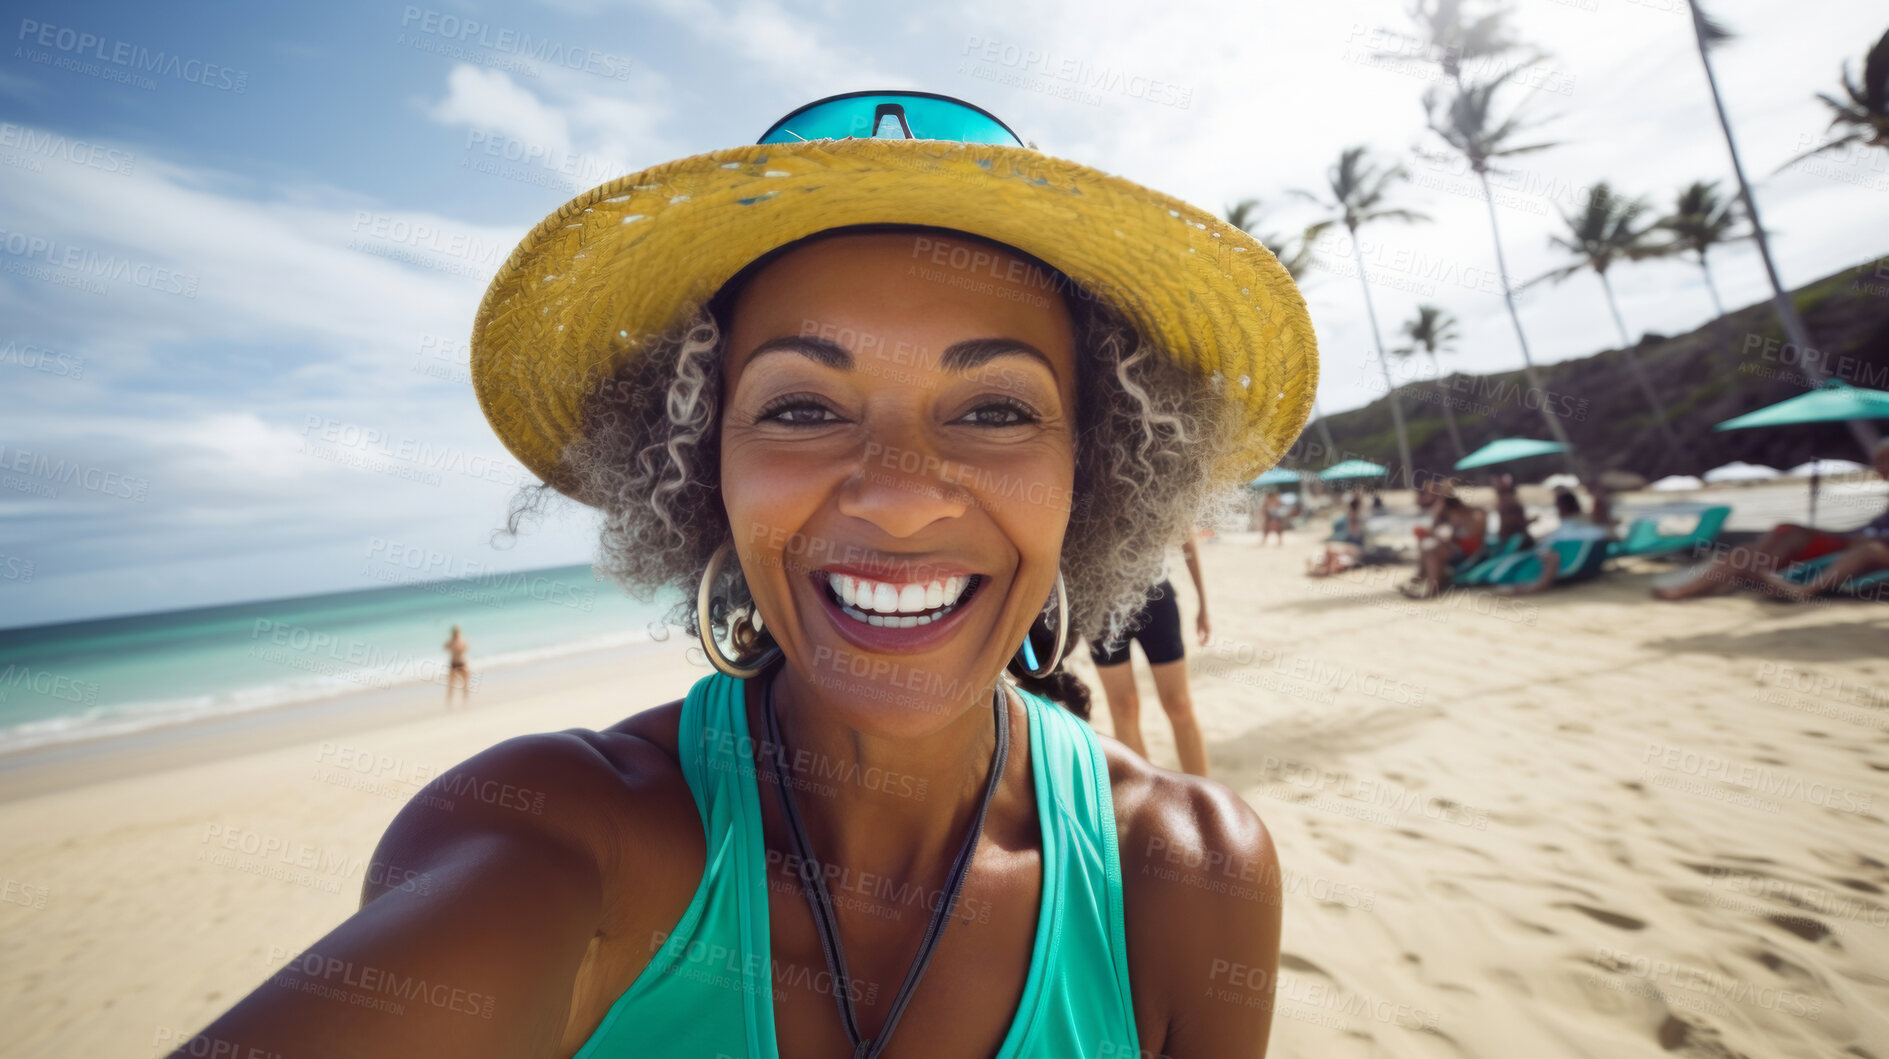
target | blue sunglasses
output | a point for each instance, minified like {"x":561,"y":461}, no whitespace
{"x":892,"y":115}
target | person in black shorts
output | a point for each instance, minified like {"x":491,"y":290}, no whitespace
{"x":1157,"y":628}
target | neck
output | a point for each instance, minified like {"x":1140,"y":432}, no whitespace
{"x":896,"y":807}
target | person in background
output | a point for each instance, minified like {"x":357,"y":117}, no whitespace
{"x":1345,"y":548}
{"x":1601,"y":511}
{"x":1157,"y":627}
{"x":1456,"y":535}
{"x":1780,"y":547}
{"x":457,"y":671}
{"x":1574,"y":527}
{"x":1865,"y":555}
{"x":1511,"y":517}
{"x":1273,"y":509}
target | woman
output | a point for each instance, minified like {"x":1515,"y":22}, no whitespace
{"x":457,"y":672}
{"x":1454,"y":537}
{"x":1274,"y":509}
{"x":904,"y":405}
{"x":1157,"y":628}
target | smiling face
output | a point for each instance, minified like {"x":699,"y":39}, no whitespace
{"x":897,"y":462}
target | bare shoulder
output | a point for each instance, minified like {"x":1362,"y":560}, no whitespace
{"x":1201,"y":890}
{"x":596,"y":792}
{"x":1176,"y":819}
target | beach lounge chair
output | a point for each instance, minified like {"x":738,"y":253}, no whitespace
{"x":1580,"y":560}
{"x":1645,"y":539}
{"x":1472,"y":567}
{"x":1868,"y":586}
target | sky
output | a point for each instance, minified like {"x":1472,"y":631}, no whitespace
{"x":241,"y":245}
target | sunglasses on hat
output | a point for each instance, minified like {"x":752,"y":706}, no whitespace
{"x":891,"y":115}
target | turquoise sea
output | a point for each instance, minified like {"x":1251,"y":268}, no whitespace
{"x":84,"y":679}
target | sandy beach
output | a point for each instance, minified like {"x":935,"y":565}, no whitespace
{"x":1578,"y":824}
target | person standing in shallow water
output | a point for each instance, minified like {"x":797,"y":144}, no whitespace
{"x":457,"y":670}
{"x":1158,"y":629}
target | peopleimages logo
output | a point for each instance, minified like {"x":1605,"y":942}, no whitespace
{"x":132,"y":57}
{"x":459,"y":30}
{"x":87,"y":263}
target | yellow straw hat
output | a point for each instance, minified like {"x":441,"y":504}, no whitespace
{"x":624,"y":261}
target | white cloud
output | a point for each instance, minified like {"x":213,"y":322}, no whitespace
{"x":490,"y":99}
{"x":310,"y":305}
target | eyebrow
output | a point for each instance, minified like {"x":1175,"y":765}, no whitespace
{"x":958,"y":357}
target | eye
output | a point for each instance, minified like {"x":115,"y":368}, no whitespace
{"x":796,"y":411}
{"x":1006,"y":412}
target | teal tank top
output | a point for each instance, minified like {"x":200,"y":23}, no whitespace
{"x":707,"y":993}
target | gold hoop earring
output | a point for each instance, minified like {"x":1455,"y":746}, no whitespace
{"x":1020,"y":663}
{"x":705,"y":622}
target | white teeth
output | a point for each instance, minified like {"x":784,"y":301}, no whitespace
{"x":897,"y":605}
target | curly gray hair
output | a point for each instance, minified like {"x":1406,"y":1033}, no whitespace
{"x":1149,"y":435}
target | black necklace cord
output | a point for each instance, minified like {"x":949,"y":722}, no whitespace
{"x":826,"y":920}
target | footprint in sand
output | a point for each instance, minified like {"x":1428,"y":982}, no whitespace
{"x":1612,"y":919}
{"x":1300,"y":965}
{"x":1803,"y":926}
{"x":1780,"y":966}
{"x":1536,"y":927}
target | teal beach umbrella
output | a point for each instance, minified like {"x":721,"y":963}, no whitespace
{"x":1276,"y":476}
{"x":1351,"y":469}
{"x":1835,"y":400}
{"x":1503,"y":450}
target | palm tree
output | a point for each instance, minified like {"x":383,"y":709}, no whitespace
{"x":1608,"y":230}
{"x":1433,"y":331}
{"x":1359,"y":187}
{"x":1866,"y":112}
{"x":1467,"y":123}
{"x":1708,"y":33}
{"x":1449,"y":37}
{"x":1700,"y":221}
{"x":1247,"y":214}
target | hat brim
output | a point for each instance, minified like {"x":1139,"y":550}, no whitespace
{"x":622,"y":261}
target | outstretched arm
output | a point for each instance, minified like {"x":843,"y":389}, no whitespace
{"x":475,"y":918}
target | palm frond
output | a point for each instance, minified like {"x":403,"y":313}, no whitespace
{"x":1712,"y":30}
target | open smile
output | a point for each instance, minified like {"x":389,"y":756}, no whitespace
{"x":895,"y":615}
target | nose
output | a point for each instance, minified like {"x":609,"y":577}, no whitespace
{"x":903,"y":485}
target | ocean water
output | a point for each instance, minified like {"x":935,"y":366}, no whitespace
{"x":80,"y":680}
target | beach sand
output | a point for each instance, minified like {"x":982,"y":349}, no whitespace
{"x":1579,"y":824}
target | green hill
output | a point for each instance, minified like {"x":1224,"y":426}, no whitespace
{"x":1730,"y":366}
